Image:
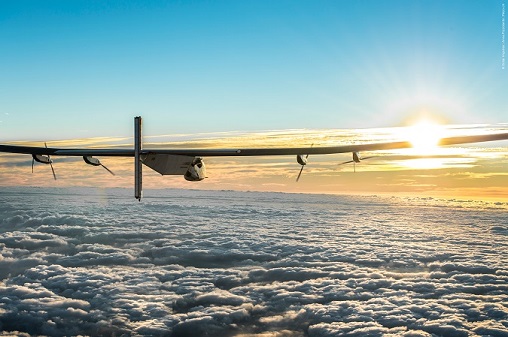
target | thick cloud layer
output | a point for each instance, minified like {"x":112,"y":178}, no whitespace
{"x":192,"y":263}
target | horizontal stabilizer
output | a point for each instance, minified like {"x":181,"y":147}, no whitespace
{"x":167,"y":164}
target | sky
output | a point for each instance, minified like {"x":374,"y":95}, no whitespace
{"x":83,"y":69}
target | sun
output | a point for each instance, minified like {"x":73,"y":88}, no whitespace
{"x":424,"y":136}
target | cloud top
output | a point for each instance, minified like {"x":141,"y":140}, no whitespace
{"x":249,"y":264}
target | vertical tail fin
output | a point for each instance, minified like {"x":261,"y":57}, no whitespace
{"x":138,"y":169}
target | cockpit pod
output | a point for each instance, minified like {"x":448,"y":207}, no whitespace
{"x":196,"y":171}
{"x":192,"y":168}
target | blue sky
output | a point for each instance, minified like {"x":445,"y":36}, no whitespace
{"x":73,"y":69}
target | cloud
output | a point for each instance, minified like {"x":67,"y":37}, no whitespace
{"x":249,"y":264}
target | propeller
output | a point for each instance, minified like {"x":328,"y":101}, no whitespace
{"x":44,"y":160}
{"x":50,"y":163}
{"x":96,"y":162}
{"x":112,"y":173}
{"x":303,"y":165}
{"x":302,"y":161}
{"x":356,"y":159}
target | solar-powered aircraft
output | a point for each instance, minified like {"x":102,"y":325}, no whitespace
{"x":190,"y":164}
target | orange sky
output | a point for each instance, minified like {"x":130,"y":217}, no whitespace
{"x":478,"y":171}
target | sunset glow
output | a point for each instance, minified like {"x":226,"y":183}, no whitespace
{"x":424,"y":136}
{"x":475,"y":170}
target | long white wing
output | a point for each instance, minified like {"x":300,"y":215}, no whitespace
{"x":111,"y":152}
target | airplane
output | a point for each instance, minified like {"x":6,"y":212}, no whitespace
{"x":190,"y":163}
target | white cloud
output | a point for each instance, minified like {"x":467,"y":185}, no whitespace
{"x":249,"y":264}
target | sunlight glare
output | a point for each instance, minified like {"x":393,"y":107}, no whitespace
{"x":424,"y":136}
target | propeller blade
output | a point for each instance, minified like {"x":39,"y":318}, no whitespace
{"x":299,"y":174}
{"x":108,"y":169}
{"x":52,"y":170}
{"x":352,"y":161}
{"x":33,"y":161}
{"x":349,"y":162}
{"x":50,"y":162}
{"x":303,"y":165}
{"x":307,"y":156}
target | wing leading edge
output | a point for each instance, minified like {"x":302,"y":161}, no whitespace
{"x":283,"y":151}
{"x":189,"y":162}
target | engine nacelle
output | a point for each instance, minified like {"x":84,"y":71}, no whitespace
{"x":196,"y":171}
{"x":42,"y":159}
{"x":92,"y":161}
{"x":356,"y":157}
{"x":301,"y":159}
